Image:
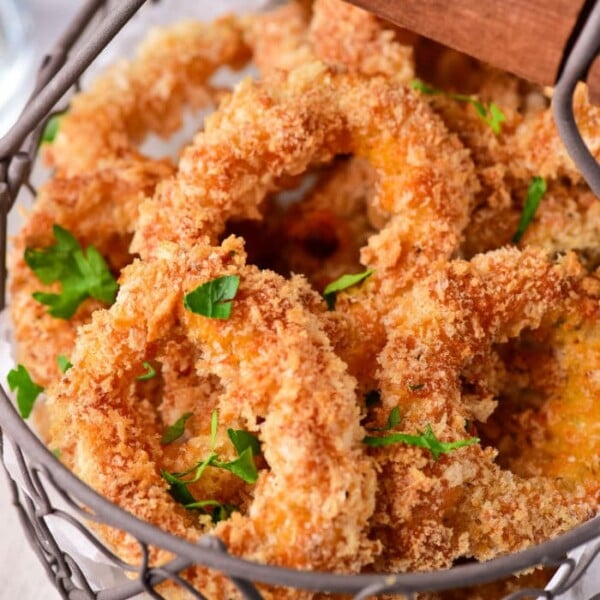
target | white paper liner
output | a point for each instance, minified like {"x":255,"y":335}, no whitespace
{"x":99,"y":571}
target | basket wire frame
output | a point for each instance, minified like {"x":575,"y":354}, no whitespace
{"x":48,"y":497}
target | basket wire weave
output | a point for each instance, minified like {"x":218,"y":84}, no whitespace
{"x":47,"y":496}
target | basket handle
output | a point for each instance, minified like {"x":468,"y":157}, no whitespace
{"x":576,"y":68}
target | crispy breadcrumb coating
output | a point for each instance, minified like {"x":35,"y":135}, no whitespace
{"x":311,"y":505}
{"x":463,"y":505}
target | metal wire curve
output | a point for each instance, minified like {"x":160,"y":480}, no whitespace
{"x":42,"y":482}
{"x":577,"y":64}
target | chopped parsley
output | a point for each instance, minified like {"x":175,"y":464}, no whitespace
{"x":213,"y":298}
{"x":175,"y":431}
{"x":491,"y":114}
{"x":27,"y":390}
{"x":537,"y":189}
{"x":426,"y":439}
{"x":83,"y":274}
{"x":64,"y":364}
{"x":246,"y":445}
{"x":343,"y":283}
{"x":393,"y":420}
{"x":149,"y":374}
{"x":242,"y":440}
{"x":51,"y":128}
{"x":221,"y":511}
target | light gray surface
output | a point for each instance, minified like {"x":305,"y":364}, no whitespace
{"x":22,"y":577}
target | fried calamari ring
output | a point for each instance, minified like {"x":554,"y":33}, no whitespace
{"x":101,"y":177}
{"x":548,"y":412}
{"x":464,"y":505}
{"x":311,"y":506}
{"x":147,"y":94}
{"x":282,"y":126}
{"x":267,"y":130}
{"x":99,"y":209}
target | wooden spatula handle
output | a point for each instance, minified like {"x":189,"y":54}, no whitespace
{"x":526,"y":37}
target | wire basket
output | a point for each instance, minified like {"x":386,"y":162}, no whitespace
{"x":55,"y":507}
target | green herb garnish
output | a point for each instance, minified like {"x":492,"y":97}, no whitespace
{"x":426,"y":439}
{"x":490,"y":114}
{"x":343,"y":283}
{"x":244,"y":439}
{"x":393,"y":420}
{"x":27,"y":390}
{"x":176,"y":430}
{"x":213,"y":298}
{"x":220,"y":513}
{"x":57,"y":453}
{"x":51,"y":128}
{"x":149,"y":374}
{"x":537,"y":189}
{"x":243,"y":466}
{"x":247,"y":446}
{"x":82,"y":274}
{"x":64,"y":364}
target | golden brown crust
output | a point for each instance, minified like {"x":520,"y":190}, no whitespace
{"x":311,"y":506}
{"x":421,"y":180}
{"x":464,"y":502}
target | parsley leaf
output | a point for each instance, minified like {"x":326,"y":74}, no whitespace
{"x":491,"y":114}
{"x":393,"y":420}
{"x":246,"y":445}
{"x":243,"y":466}
{"x":343,"y":283}
{"x":64,"y":364}
{"x":178,"y":489}
{"x":149,"y":374}
{"x":81,"y":273}
{"x":27,"y":390}
{"x":496,"y":118}
{"x":176,"y":430}
{"x":213,"y":298}
{"x":221,"y":512}
{"x":244,"y":439}
{"x":424,"y":88}
{"x":537,"y":189}
{"x":426,"y":439}
{"x":51,"y":128}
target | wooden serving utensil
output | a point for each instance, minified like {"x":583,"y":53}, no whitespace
{"x":530,"y":38}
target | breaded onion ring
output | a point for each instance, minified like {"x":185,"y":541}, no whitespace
{"x":282,"y":126}
{"x":147,"y":94}
{"x":311,"y":506}
{"x":548,"y":416}
{"x":101,"y":177}
{"x":463,"y":505}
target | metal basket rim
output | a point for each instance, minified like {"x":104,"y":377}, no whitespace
{"x":547,"y":552}
{"x":460,"y":576}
